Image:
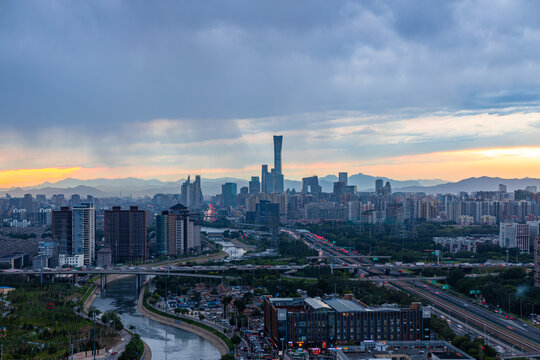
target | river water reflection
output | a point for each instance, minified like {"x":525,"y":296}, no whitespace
{"x":166,"y":342}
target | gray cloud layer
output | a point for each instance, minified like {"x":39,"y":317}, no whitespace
{"x":93,"y":69}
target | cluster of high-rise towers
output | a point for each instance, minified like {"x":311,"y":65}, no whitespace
{"x":270,"y":181}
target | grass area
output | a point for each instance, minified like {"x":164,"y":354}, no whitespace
{"x":87,"y":293}
{"x":41,"y":323}
{"x":218,"y":333}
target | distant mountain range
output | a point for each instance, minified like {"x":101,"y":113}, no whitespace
{"x":140,"y":187}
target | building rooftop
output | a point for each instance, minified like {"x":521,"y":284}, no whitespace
{"x":342,"y":305}
{"x":316,"y":304}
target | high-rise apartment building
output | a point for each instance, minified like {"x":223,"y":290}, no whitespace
{"x":176,"y":232}
{"x":125,"y":233}
{"x":62,"y":229}
{"x":513,"y":235}
{"x":83,"y":222}
{"x":537,"y":261}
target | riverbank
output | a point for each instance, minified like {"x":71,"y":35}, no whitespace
{"x":244,"y":246}
{"x":96,"y":291}
{"x":215,"y":340}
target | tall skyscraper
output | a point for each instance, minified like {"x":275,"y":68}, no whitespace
{"x":185,"y":192}
{"x":197,"y":192}
{"x":191,"y":193}
{"x":379,"y":186}
{"x":228,"y":194}
{"x":343,"y":178}
{"x":84,"y":232}
{"x":264,"y":179}
{"x":125,"y":233}
{"x":277,"y":173}
{"x":254,"y":185}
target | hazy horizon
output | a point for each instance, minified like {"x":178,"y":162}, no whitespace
{"x":407,"y":90}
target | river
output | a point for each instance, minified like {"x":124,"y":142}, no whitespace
{"x":166,"y":342}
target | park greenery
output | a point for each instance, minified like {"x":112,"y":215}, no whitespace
{"x":134,"y":349}
{"x":511,"y":289}
{"x":409,"y":242}
{"x":41,"y":322}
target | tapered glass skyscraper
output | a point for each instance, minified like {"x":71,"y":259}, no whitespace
{"x":277,"y":171}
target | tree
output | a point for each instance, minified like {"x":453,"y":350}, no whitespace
{"x":236,"y":340}
{"x":227,"y":357}
{"x":226,"y":301}
{"x":93,"y":313}
{"x":240,"y":305}
{"x":110,"y":317}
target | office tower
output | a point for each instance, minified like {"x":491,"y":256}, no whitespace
{"x":196,"y":192}
{"x":310,"y":185}
{"x":228,"y":193}
{"x":254,"y":185}
{"x":343,"y":178}
{"x":29,"y":204}
{"x":387,"y":188}
{"x":185,"y":193}
{"x":277,"y":173}
{"x":266,"y":180}
{"x":531,"y":189}
{"x":83,"y":222}
{"x":191,"y":193}
{"x":62,"y":229}
{"x":244,"y":191}
{"x":125,"y":233}
{"x":75,"y":200}
{"x":379,"y":186}
{"x":161,"y":233}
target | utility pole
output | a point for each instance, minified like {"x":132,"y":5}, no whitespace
{"x":41,"y":260}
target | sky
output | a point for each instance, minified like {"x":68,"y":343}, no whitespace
{"x":402,"y":89}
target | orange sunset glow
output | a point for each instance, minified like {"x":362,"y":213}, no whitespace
{"x":511,"y":162}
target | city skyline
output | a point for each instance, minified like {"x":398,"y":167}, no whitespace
{"x":163,"y":91}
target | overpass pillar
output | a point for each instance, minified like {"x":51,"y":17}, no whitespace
{"x":103,"y":281}
{"x":139,"y":279}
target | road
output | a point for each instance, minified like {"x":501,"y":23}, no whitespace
{"x":475,"y":315}
{"x":519,"y":335}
